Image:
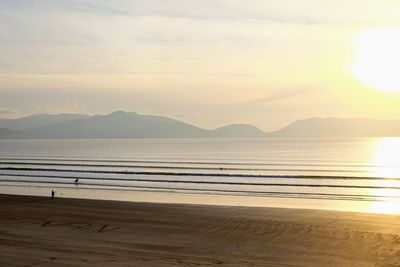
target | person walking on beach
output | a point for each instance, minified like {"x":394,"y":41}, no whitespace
{"x":52,"y":193}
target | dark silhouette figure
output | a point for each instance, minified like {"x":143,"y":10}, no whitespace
{"x":76,"y":181}
{"x":52,"y":193}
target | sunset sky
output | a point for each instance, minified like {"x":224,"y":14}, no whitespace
{"x":210,"y":63}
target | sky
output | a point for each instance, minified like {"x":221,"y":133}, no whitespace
{"x":207,"y":62}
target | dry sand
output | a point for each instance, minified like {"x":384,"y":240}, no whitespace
{"x":38,"y":231}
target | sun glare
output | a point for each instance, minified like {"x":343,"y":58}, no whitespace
{"x":387,"y":165}
{"x":377,"y":59}
{"x":386,"y":158}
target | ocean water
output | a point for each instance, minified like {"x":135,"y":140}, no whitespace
{"x":357,"y":174}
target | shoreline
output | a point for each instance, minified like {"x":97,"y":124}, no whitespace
{"x":375,"y":207}
{"x":40,"y":231}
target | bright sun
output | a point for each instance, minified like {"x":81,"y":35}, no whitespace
{"x":377,"y":59}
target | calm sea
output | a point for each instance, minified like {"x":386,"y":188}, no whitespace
{"x":361,"y":174}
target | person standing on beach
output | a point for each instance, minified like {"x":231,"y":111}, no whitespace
{"x":52,"y":193}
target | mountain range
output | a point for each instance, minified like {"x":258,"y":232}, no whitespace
{"x":115,"y":125}
{"x":133,"y":125}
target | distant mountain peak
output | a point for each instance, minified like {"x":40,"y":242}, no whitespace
{"x":121,"y":113}
{"x":238,"y":130}
{"x":239,"y":125}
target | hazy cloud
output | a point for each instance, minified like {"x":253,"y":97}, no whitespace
{"x":7,"y":111}
{"x":261,"y":11}
{"x":280,"y":95}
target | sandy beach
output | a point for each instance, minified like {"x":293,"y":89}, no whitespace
{"x":36,"y":231}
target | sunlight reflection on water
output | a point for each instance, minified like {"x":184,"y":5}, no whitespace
{"x":386,"y":156}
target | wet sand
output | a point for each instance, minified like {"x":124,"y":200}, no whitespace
{"x":37,"y":231}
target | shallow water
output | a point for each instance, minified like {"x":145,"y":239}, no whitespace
{"x":361,"y":174}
